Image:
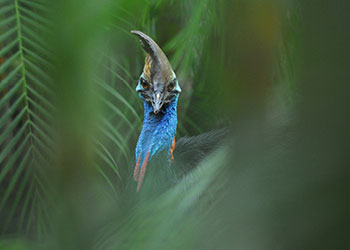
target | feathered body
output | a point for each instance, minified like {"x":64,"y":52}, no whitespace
{"x":159,"y":89}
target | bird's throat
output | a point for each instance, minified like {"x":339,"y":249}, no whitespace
{"x":158,"y":131}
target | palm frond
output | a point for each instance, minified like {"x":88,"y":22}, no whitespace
{"x":25,"y":108}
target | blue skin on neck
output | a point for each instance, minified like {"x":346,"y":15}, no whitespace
{"x":158,"y":131}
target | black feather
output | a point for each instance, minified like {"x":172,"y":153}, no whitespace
{"x":189,"y":151}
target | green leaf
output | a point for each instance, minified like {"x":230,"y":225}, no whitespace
{"x":24,"y":89}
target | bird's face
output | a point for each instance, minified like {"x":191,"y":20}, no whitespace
{"x":159,"y":94}
{"x":157,"y":85}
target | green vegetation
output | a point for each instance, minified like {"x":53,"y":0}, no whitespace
{"x":272,"y":71}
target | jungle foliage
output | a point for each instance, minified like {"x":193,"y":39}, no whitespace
{"x":70,"y":118}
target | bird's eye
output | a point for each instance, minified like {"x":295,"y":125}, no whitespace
{"x":144,"y":83}
{"x":171,"y":86}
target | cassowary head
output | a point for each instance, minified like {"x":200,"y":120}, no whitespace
{"x":157,"y":85}
{"x":159,"y":90}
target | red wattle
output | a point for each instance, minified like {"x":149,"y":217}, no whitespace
{"x":142,"y":173}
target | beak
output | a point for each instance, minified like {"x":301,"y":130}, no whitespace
{"x":157,"y":102}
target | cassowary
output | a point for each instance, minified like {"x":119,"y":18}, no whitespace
{"x":159,"y":89}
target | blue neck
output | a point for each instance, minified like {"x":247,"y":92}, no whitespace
{"x":158,"y":131}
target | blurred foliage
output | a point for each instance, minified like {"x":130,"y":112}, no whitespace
{"x":273,"y":71}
